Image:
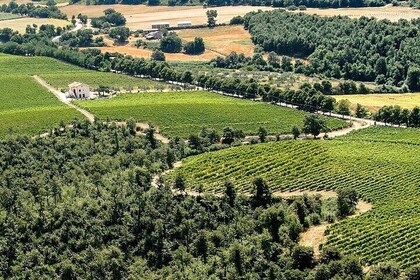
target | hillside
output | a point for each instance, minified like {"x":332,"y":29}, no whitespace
{"x":384,"y":172}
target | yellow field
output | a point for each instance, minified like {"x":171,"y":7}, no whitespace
{"x":376,"y":101}
{"x":387,"y":12}
{"x":141,"y":16}
{"x":21,"y":23}
{"x":223,"y":39}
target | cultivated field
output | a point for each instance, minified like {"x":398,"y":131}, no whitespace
{"x":375,"y":101}
{"x":141,"y":17}
{"x":185,"y":113}
{"x":25,"y":106}
{"x":19,"y":24}
{"x":384,"y":172}
{"x":223,"y":39}
{"x":387,"y":12}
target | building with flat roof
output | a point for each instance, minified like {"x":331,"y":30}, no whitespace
{"x":160,"y":25}
{"x":184,"y":24}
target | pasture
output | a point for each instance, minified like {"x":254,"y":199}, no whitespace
{"x":384,"y":173}
{"x":185,"y":113}
{"x":141,"y":16}
{"x":387,"y":12}
{"x":375,"y":101}
{"x":222,"y":39}
{"x":19,"y":24}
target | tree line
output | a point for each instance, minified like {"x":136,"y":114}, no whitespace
{"x":31,"y":10}
{"x":398,"y":116}
{"x":363,"y":49}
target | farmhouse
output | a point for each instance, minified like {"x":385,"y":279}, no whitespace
{"x":160,"y":25}
{"x":79,"y":90}
{"x":184,"y":23}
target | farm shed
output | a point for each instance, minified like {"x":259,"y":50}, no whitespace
{"x":184,"y":23}
{"x":79,"y":90}
{"x":154,"y":35}
{"x":160,"y":25}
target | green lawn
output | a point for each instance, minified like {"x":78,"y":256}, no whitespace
{"x":184,"y":113}
{"x":6,"y":16}
{"x":383,"y":171}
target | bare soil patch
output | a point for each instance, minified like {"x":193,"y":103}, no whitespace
{"x":141,"y":16}
{"x":222,"y":39}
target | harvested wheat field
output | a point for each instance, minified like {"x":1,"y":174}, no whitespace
{"x":387,"y":12}
{"x":141,"y":16}
{"x":223,"y":39}
{"x":376,"y":101}
{"x":21,"y":23}
{"x":146,"y":53}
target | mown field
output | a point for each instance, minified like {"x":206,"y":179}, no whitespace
{"x":184,"y":113}
{"x":222,"y":39}
{"x":19,"y":24}
{"x":28,"y":108}
{"x":141,"y":16}
{"x":376,"y":101}
{"x":383,"y":171}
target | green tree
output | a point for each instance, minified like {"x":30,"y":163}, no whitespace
{"x":262,"y":134}
{"x":314,"y":125}
{"x":295,"y":132}
{"x":262,"y":193}
{"x":346,"y":201}
{"x":179,"y":183}
{"x":384,"y":271}
{"x":211,"y":18}
{"x":171,"y":43}
{"x":303,"y":257}
{"x":413,"y":78}
{"x":361,"y":111}
{"x":120,"y":33}
{"x":343,"y":107}
{"x":158,"y":55}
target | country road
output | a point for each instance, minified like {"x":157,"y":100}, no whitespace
{"x":78,"y":26}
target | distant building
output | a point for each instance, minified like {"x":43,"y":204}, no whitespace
{"x":79,"y":90}
{"x":184,"y":23}
{"x":160,"y":25}
{"x":154,"y":35}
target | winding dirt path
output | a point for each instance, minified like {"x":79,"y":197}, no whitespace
{"x":62,"y":97}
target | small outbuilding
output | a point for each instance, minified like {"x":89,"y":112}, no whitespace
{"x":154,"y":35}
{"x":160,"y":25}
{"x":79,"y":90}
{"x":184,"y":23}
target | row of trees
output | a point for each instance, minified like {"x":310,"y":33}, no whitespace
{"x":398,"y":116}
{"x":111,"y":18}
{"x":362,"y":49}
{"x":31,"y":10}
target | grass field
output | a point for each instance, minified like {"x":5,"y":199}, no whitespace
{"x":19,"y":24}
{"x":387,"y":12}
{"x":384,"y":172}
{"x":223,"y":39}
{"x":184,"y":113}
{"x":141,"y":16}
{"x":7,"y":16}
{"x":375,"y":101}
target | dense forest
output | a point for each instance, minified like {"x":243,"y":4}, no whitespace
{"x":362,"y":49}
{"x":79,"y":204}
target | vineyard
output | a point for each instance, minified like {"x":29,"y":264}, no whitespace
{"x":383,"y":170}
{"x":184,"y":113}
{"x":60,"y":74}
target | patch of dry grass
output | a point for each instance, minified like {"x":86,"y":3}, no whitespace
{"x":21,"y":23}
{"x":141,"y":16}
{"x":222,"y":39}
{"x":376,"y":101}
